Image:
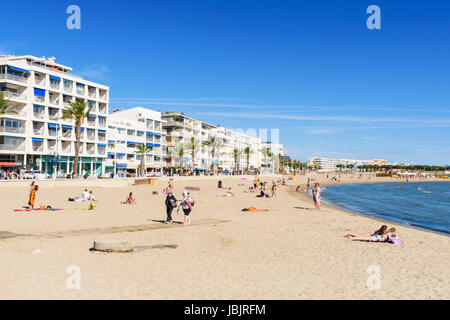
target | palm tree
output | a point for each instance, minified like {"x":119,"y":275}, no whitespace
{"x":214,"y":143}
{"x":266,"y":154}
{"x":5,"y":107}
{"x":248,"y":151}
{"x":143,"y":149}
{"x":236,"y":153}
{"x":193,"y":145}
{"x":179,"y":153}
{"x":77,"y":111}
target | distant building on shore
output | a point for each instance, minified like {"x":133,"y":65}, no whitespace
{"x":330,"y":164}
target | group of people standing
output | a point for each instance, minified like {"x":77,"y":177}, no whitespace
{"x":186,"y":204}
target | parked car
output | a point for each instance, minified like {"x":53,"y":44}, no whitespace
{"x":30,"y":174}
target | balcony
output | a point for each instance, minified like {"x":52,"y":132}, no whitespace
{"x":54,"y":101}
{"x":101,"y":138}
{"x":68,"y":89}
{"x":80,"y":92}
{"x":92,"y":94}
{"x":14,"y":95}
{"x":67,"y":134}
{"x":12,"y":130}
{"x":66,"y":149}
{"x":51,"y":146}
{"x":13,"y":77}
{"x":38,"y":147}
{"x":39,"y":82}
{"x":53,"y":116}
{"x":38,"y":131}
{"x":13,"y":147}
{"x":90,"y":150}
{"x":55,"y":85}
{"x":101,"y":151}
{"x":39,"y":115}
{"x":39,"y":99}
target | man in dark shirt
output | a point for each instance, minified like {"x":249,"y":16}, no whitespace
{"x":171,"y":203}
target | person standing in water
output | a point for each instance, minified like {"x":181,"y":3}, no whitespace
{"x":316,"y":195}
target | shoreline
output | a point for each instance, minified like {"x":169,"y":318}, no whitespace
{"x":327,"y":204}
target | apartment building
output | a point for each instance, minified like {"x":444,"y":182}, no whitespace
{"x":128,"y":129}
{"x":271,"y":165}
{"x":36,"y":137}
{"x":329,"y":164}
{"x":181,"y":129}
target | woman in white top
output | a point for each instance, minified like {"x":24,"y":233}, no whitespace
{"x":186,"y":205}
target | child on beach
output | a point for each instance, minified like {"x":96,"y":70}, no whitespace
{"x":186,"y":205}
{"x":171,"y":203}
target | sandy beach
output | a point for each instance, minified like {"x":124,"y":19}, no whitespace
{"x":290,"y":252}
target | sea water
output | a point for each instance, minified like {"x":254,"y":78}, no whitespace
{"x":420,"y":204}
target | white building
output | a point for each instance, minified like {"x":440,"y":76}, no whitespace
{"x":277,"y":150}
{"x":36,"y":137}
{"x":126,"y":130}
{"x":181,"y":129}
{"x":329,"y":164}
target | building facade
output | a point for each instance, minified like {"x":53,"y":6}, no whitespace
{"x":181,"y":129}
{"x":329,"y":164}
{"x":277,"y":150}
{"x":128,"y":129}
{"x":36,"y":137}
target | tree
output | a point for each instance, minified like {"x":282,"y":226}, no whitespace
{"x":5,"y":105}
{"x":179,"y":153}
{"x":143,"y":149}
{"x":214,"y":143}
{"x":77,"y":111}
{"x":247,"y":151}
{"x":237,"y":154}
{"x":193,"y":145}
{"x":340,"y":166}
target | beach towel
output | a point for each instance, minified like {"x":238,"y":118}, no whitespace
{"x":192,"y":188}
{"x":253,"y":209}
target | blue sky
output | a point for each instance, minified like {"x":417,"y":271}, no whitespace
{"x":311,"y":69}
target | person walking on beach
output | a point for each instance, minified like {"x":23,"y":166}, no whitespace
{"x":171,"y":203}
{"x":274,"y":189}
{"x":316,"y":195}
{"x":186,"y":205}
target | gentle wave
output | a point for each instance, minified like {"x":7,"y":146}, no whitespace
{"x":420,"y":204}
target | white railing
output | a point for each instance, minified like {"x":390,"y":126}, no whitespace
{"x":12,"y":147}
{"x":68,"y":89}
{"x":80,"y":92}
{"x":91,"y":137}
{"x":101,"y":138}
{"x":14,"y":95}
{"x":38,"y":131}
{"x":55,"y":85}
{"x":91,"y":151}
{"x":39,"y":99}
{"x":40,"y":82}
{"x":39,"y":115}
{"x":67,"y":134}
{"x":54,"y":116}
{"x":92,"y":94}
{"x":12,"y":130}
{"x":54,"y":101}
{"x":13,"y":77}
{"x":67,"y":150}
{"x":39,"y":148}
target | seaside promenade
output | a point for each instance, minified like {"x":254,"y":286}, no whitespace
{"x":291,"y":251}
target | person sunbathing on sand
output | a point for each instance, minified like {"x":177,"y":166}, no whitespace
{"x":130,"y":199}
{"x":379,"y":232}
{"x":386,"y":237}
{"x":230,"y":192}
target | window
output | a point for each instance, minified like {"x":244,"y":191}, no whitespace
{"x":139,"y":133}
{"x":130,"y":132}
{"x":120,"y":130}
